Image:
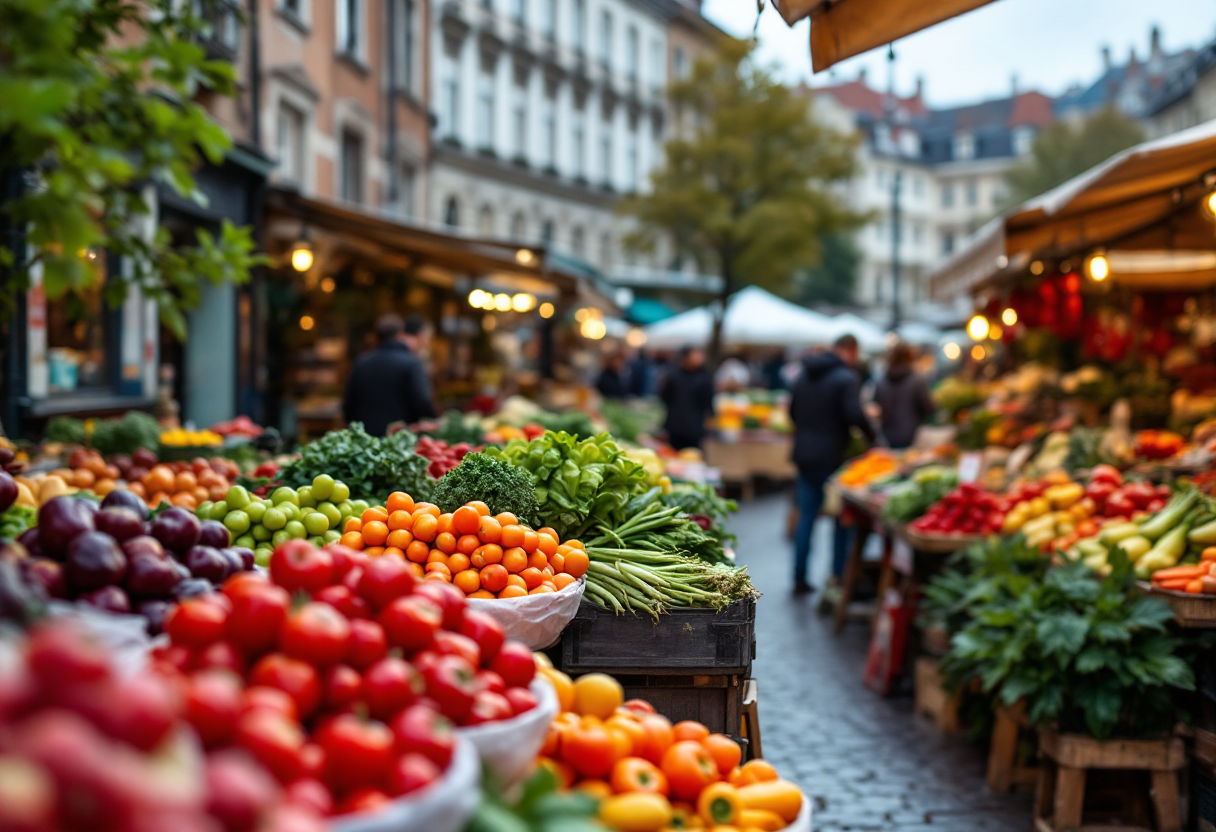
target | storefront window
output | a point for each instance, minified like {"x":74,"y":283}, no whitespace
{"x":76,"y":337}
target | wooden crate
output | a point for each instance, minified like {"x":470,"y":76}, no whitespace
{"x":716,"y":701}
{"x":932,"y":700}
{"x":1203,"y":796}
{"x":1005,"y":771}
{"x":684,"y":642}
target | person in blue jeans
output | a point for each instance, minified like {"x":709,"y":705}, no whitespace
{"x":825,"y":405}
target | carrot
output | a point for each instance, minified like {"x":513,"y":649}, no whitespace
{"x":1175,"y":572}
{"x":1195,"y":587}
{"x":1173,"y":583}
{"x":1208,"y":554}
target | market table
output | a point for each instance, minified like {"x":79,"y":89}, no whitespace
{"x":752,"y":454}
{"x":869,"y":513}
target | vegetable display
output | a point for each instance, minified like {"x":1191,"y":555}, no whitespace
{"x":371,"y":466}
{"x":579,"y":484}
{"x":133,"y":431}
{"x":909,"y":500}
{"x":484,"y":555}
{"x":443,"y":457}
{"x":967,"y":510}
{"x":500,"y":485}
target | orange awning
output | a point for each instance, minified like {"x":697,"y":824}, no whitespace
{"x":844,"y":28}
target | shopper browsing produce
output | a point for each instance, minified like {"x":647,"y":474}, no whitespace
{"x":389,"y":384}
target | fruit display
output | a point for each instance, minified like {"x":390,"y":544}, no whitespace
{"x":348,"y":695}
{"x":870,"y":467}
{"x":85,"y":747}
{"x":125,"y":435}
{"x":182,"y":438}
{"x":481,"y":554}
{"x":314,"y":511}
{"x":185,"y":484}
{"x":482,"y":478}
{"x":443,"y":457}
{"x":372,"y":467}
{"x":650,"y":775}
{"x":909,"y":500}
{"x":117,"y":559}
{"x":242,"y":426}
{"x":1158,"y":444}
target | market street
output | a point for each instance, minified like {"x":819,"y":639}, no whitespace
{"x":866,"y":761}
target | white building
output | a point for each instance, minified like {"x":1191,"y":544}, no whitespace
{"x":547,"y":111}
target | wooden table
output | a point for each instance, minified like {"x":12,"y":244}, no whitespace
{"x":752,"y":455}
{"x":868,"y":510}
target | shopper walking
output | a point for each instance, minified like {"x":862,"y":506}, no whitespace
{"x":613,"y":382}
{"x":688,"y":391}
{"x":641,"y":371}
{"x":825,"y":406}
{"x":389,"y":383}
{"x":902,"y":395}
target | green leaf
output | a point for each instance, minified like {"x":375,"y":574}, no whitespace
{"x":1063,"y":634}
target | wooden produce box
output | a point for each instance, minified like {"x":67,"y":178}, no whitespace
{"x":931,"y":699}
{"x":683,"y":642}
{"x":715,"y":701}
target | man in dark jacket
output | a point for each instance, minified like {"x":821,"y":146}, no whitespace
{"x":825,"y":406}
{"x":613,"y":382}
{"x":688,"y":392}
{"x":389,"y":384}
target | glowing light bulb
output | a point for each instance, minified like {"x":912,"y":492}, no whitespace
{"x":301,"y":257}
{"x":977,"y":328}
{"x":1009,"y":317}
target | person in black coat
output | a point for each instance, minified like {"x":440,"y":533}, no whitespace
{"x":825,"y":406}
{"x":688,"y":392}
{"x":613,"y":382}
{"x":389,"y":384}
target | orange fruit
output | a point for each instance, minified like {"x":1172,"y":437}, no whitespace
{"x":547,"y":571}
{"x":466,"y":520}
{"x":399,"y":538}
{"x":458,"y":562}
{"x":427,"y":508}
{"x":491,"y":553}
{"x":512,"y":535}
{"x":467,"y":581}
{"x":476,"y":560}
{"x":400,"y":520}
{"x":512,"y":592}
{"x":541,"y":590}
{"x":353,"y":540}
{"x":426,"y":527}
{"x":417,"y":551}
{"x":506,"y":518}
{"x":490,"y":530}
{"x":445,"y":542}
{"x":185,"y":481}
{"x":481,"y":593}
{"x":576,"y":544}
{"x":137,"y":488}
{"x":392,"y":550}
{"x":399,"y":501}
{"x":515,"y":560}
{"x":537,"y":560}
{"x":374,"y":551}
{"x":374,"y":513}
{"x":375,"y":533}
{"x":436,"y":556}
{"x":576,"y":563}
{"x":445,"y":524}
{"x":441,"y":568}
{"x":549,"y":531}
{"x":184,"y":499}
{"x":516,"y":580}
{"x":416,"y":570}
{"x":481,"y":508}
{"x":446,"y":577}
{"x":547,"y":543}
{"x":494,"y":577}
{"x":563,"y":580}
{"x":689,"y":730}
{"x":200,"y":493}
{"x":531,"y":541}
{"x":352,"y":524}
{"x":557,"y":562}
{"x":532,"y":578}
{"x":467,"y":544}
{"x":160,"y":478}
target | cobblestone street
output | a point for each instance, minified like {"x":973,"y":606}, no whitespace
{"x":867,"y":761}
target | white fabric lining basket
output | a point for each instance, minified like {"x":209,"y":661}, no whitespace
{"x":536,"y":620}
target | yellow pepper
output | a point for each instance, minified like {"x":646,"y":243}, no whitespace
{"x":636,"y":812}
{"x":780,"y":796}
{"x":1065,"y":496}
{"x":761,"y":819}
{"x":684,"y":816}
{"x":719,"y":803}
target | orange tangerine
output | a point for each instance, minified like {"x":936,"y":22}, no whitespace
{"x":516,"y":580}
{"x":480,"y":507}
{"x":446,"y":577}
{"x":491,"y":553}
{"x":417,"y":551}
{"x":466,"y":520}
{"x":506,"y":518}
{"x":426,"y":527}
{"x":400,"y":520}
{"x":445,"y":524}
{"x":561,"y":581}
{"x":540,"y":590}
{"x":445,"y":542}
{"x":399,"y":538}
{"x":394,"y":551}
{"x":476,"y":560}
{"x":537,"y":560}
{"x":399,"y":501}
{"x":441,"y":568}
{"x":547,"y":543}
{"x":512,"y":592}
{"x":436,"y":556}
{"x":458,"y":562}
{"x":547,"y":570}
{"x":531,"y":541}
{"x":354,"y":540}
{"x":512,"y":535}
{"x":374,"y":551}
{"x":576,"y":544}
{"x":416,"y":570}
{"x":374,"y":513}
{"x":427,"y":508}
{"x":467,"y":581}
{"x":558,"y":562}
{"x":515,"y":560}
{"x":467,"y":544}
{"x":352,"y":524}
{"x":576,"y":563}
{"x":490,"y":530}
{"x":481,"y":593}
{"x":532,"y":578}
{"x":494,"y":577}
{"x":375,"y":533}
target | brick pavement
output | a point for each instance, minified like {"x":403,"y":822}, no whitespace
{"x":867,"y":762}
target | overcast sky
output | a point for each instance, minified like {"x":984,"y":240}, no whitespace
{"x":1048,"y":44}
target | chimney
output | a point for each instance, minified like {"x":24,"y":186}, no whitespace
{"x":861,"y":76}
{"x":920,"y":85}
{"x":1154,"y":42}
{"x":1013,"y":85}
{"x":1106,"y":58}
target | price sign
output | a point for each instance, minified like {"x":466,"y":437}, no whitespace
{"x":969,"y":466}
{"x":901,"y":556}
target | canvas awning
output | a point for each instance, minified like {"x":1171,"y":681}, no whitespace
{"x":843,"y":28}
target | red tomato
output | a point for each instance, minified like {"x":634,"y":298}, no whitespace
{"x":195,"y":623}
{"x":489,"y":680}
{"x":258,"y":611}
{"x":411,"y":773}
{"x":312,"y":756}
{"x":449,"y":599}
{"x":310,"y":794}
{"x":213,"y":703}
{"x":263,"y":698}
{"x":488,"y":707}
{"x":454,"y":644}
{"x":689,"y":769}
{"x":589,"y":749}
{"x":297,"y":679}
{"x":424,"y":731}
{"x":274,"y":741}
{"x":390,"y":685}
{"x":222,"y":655}
{"x":521,"y":700}
{"x":368,"y":644}
{"x":484,"y":630}
{"x":358,"y":752}
{"x":316,"y":633}
{"x":344,"y":600}
{"x":411,"y":623}
{"x":658,"y":737}
{"x":638,"y":706}
{"x":384,"y":580}
{"x":450,"y":682}
{"x":342,"y":687}
{"x":363,"y":800}
{"x":514,"y":663}
{"x":344,"y":559}
{"x":175,"y":656}
{"x":298,"y":565}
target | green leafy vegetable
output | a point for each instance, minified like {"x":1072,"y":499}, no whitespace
{"x":371,"y":466}
{"x":15,"y":520}
{"x":652,"y":526}
{"x":909,"y":500}
{"x":579,"y":484}
{"x":574,"y":422}
{"x":540,"y":807}
{"x":703,"y":501}
{"x":134,"y":430}
{"x":500,"y":485}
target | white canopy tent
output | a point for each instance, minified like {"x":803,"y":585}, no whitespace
{"x":754,"y":317}
{"x":870,"y":337}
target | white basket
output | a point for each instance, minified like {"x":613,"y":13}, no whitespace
{"x":536,"y":620}
{"x":443,"y":806}
{"x":508,"y":749}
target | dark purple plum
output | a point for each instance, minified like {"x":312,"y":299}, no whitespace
{"x":176,"y":529}
{"x":155,"y":612}
{"x":121,"y":497}
{"x":192,"y":589}
{"x":143,"y":546}
{"x":59,"y":521}
{"x":234,"y":560}
{"x":8,"y":490}
{"x":246,"y":556}
{"x":180,"y":569}
{"x":30,"y":540}
{"x":94,"y":560}
{"x":119,"y":522}
{"x":49,"y":573}
{"x":108,"y":598}
{"x":144,"y":458}
{"x":149,"y":577}
{"x":123,"y":463}
{"x":214,"y":533}
{"x":207,"y":562}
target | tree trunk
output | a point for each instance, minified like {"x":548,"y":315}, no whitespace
{"x":715,"y":337}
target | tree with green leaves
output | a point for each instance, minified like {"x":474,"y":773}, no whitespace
{"x":746,"y":187}
{"x":100,"y":101}
{"x":833,"y":278}
{"x":1067,"y":148}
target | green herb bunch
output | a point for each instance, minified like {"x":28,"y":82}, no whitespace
{"x":1087,"y":655}
{"x":373,"y":467}
{"x":498,"y":484}
{"x":994,"y":570}
{"x":134,"y":430}
{"x":909,"y":500}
